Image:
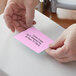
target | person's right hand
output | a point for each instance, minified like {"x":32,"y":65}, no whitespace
{"x":64,"y":48}
{"x":19,"y":14}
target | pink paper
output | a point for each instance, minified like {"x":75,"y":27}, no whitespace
{"x":34,"y":39}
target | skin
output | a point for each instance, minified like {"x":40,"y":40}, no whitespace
{"x":19,"y":14}
{"x":64,"y":48}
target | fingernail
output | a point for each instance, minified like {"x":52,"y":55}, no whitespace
{"x":51,"y":45}
{"x":47,"y":50}
{"x":34,"y":22}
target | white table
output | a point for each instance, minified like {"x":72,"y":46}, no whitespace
{"x":18,"y":60}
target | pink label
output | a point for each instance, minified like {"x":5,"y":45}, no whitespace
{"x":34,"y":39}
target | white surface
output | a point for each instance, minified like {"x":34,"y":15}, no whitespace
{"x":18,"y":60}
{"x":66,"y":14}
{"x":71,"y":2}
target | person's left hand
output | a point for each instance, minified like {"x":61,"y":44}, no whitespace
{"x":64,"y":48}
{"x":19,"y":14}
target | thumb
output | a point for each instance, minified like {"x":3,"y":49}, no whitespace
{"x":29,"y":16}
{"x":58,"y":43}
{"x":58,"y":53}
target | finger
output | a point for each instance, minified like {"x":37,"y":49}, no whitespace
{"x":20,"y":29}
{"x":29,"y":16}
{"x":9,"y":23}
{"x":8,"y":9}
{"x":7,"y":16}
{"x":61,"y":58}
{"x":22,"y":24}
{"x":65,"y":60}
{"x":58,"y":43}
{"x":58,"y":53}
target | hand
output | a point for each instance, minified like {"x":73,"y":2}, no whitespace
{"x":19,"y":14}
{"x":64,"y":48}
